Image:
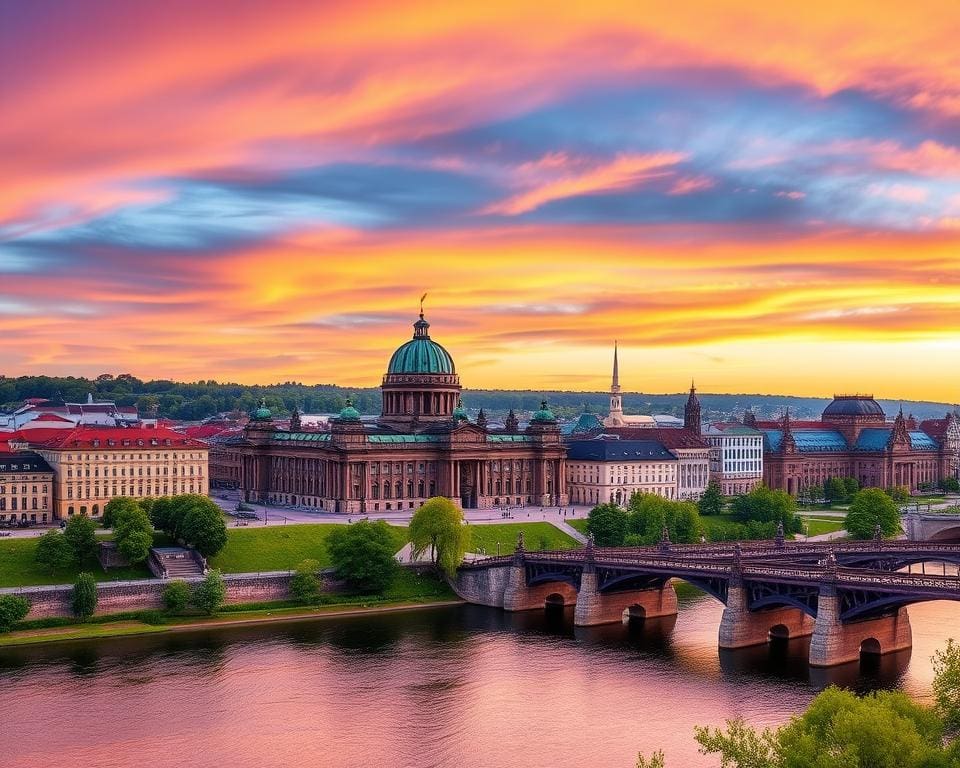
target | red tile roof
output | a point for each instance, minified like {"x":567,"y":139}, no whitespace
{"x":107,"y":438}
{"x":52,"y":417}
{"x":935,"y":427}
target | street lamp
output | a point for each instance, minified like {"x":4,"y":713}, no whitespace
{"x":498,"y":549}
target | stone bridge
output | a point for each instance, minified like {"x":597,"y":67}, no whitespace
{"x":851,"y":597}
{"x":931,"y":526}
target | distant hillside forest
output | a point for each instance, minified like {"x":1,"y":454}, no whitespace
{"x":199,"y":400}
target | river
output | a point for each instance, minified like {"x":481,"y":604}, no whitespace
{"x":445,"y":687}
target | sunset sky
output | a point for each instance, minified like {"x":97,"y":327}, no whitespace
{"x":764,"y":199}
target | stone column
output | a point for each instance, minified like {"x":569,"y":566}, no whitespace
{"x":742,"y":628}
{"x":834,"y":642}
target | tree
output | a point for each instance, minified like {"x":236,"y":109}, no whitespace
{"x":834,"y":489}
{"x":946,"y":685}
{"x":869,"y":508}
{"x":133,"y":532}
{"x":650,"y":513}
{"x":363,"y":555}
{"x":607,"y":523}
{"x":304,"y":584}
{"x":656,"y":761}
{"x":850,"y":486}
{"x":84,"y":599}
{"x":438,"y":524}
{"x":899,"y":493}
{"x":950,"y":485}
{"x":711,"y":503}
{"x":116,"y":505}
{"x":176,"y":596}
{"x":53,"y":551}
{"x":768,"y":506}
{"x":210,"y":593}
{"x":13,"y":608}
{"x":203,"y":525}
{"x":81,"y":535}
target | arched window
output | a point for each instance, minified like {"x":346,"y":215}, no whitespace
{"x":399,"y":489}
{"x":386,"y":490}
{"x":410,"y":489}
{"x":420,"y":489}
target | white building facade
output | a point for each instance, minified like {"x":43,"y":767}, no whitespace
{"x":736,"y":456}
{"x":610,"y":471}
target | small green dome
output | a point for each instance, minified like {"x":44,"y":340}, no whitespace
{"x":459,"y":413}
{"x":349,"y":413}
{"x":544,"y":414}
{"x":262,"y":413}
{"x":421,"y":354}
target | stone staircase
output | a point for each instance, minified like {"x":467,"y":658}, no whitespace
{"x":176,"y":563}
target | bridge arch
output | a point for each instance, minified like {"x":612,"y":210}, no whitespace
{"x":951,"y":534}
{"x":870,"y":646}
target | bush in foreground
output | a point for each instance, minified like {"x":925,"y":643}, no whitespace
{"x":84,"y":600}
{"x":13,"y":608}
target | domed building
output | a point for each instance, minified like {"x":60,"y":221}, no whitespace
{"x":423,"y":444}
{"x":854,"y":439}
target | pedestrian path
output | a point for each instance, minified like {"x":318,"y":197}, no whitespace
{"x":568,"y":529}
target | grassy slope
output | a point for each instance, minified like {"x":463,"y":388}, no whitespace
{"x":534,"y":534}
{"x":278,"y":547}
{"x":580,"y":525}
{"x":17,"y":566}
{"x":816,"y":526}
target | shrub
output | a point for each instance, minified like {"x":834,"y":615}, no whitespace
{"x":210,"y":593}
{"x":133,"y":533}
{"x":84,"y":601}
{"x":203,"y":525}
{"x":176,"y":596}
{"x":13,"y":608}
{"x":304,"y":585}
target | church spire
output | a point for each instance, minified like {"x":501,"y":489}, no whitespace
{"x":615,"y":419}
{"x":691,"y":412}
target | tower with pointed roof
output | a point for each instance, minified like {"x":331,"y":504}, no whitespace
{"x":615,"y":419}
{"x":691,"y":412}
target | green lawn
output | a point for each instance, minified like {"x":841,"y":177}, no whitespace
{"x":535,"y":536}
{"x":18,"y":568}
{"x":580,"y":525}
{"x":278,"y":547}
{"x":818,"y":526}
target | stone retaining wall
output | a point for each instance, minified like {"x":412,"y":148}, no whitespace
{"x":115,"y":597}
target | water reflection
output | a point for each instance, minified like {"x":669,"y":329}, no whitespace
{"x":443,"y":687}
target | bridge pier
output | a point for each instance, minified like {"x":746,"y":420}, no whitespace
{"x":596,"y":607}
{"x":741,"y":628}
{"x":517,"y":596}
{"x":835,"y":642}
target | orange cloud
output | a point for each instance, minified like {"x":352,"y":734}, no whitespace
{"x":623,"y":172}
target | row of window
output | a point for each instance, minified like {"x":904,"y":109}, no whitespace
{"x":23,"y":489}
{"x":33,"y":503}
{"x":141,"y":490}
{"x":123,"y":471}
{"x":131,"y":456}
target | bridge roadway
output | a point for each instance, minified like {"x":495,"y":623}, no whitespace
{"x":850,"y":596}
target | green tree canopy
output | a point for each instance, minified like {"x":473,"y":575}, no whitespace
{"x":438,"y":526}
{"x":81,"y":535}
{"x":946,"y":685}
{"x":84,"y":599}
{"x":869,"y":508}
{"x":650,"y":513}
{"x":711,"y":503}
{"x":53,"y":551}
{"x":203,"y":526}
{"x":363,"y":554}
{"x":764,"y":505}
{"x":115,"y":506}
{"x":607,"y":523}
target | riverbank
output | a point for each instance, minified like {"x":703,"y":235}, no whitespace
{"x":123,"y":625}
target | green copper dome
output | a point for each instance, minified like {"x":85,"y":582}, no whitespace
{"x":459,"y":413}
{"x":421,"y":354}
{"x":262,"y":413}
{"x":349,"y":413}
{"x":544,"y":414}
